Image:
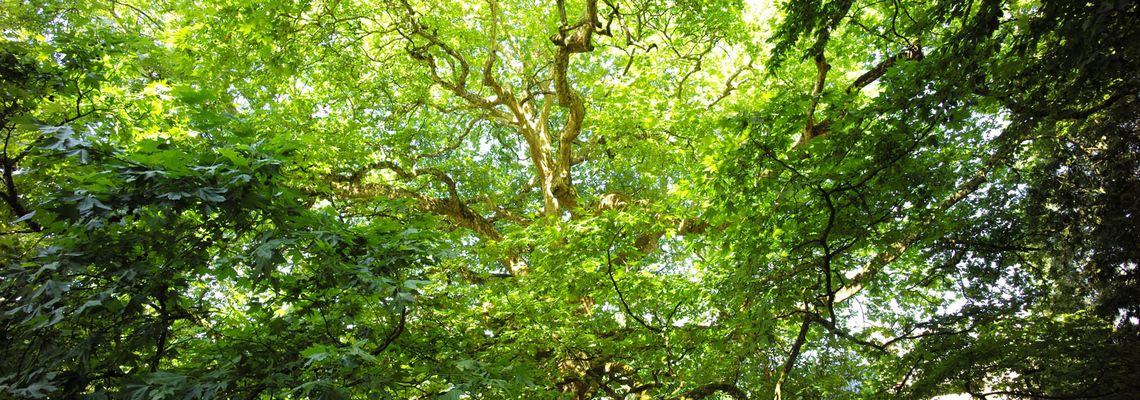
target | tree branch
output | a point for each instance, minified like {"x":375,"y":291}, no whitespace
{"x":918,"y":231}
{"x":621,"y":298}
{"x":707,"y":390}
{"x":912,"y":52}
{"x":811,"y":129}
{"x":399,"y":329}
{"x":729,"y":85}
{"x":795,"y":354}
{"x":570,"y":40}
{"x":10,"y":194}
{"x":452,"y":207}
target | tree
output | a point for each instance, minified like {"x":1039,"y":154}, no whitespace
{"x":572,"y":199}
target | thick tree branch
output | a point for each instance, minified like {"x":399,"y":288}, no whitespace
{"x":553,"y":175}
{"x":811,"y":129}
{"x":10,"y":194}
{"x":503,"y":95}
{"x":912,"y":52}
{"x":814,"y":128}
{"x":570,"y":40}
{"x":452,"y":207}
{"x":535,"y":134}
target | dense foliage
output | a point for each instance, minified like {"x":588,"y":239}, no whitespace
{"x":615,"y":199}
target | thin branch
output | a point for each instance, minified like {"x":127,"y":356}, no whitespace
{"x":697,"y":64}
{"x":454,"y":144}
{"x":395,"y":332}
{"x":729,"y":85}
{"x":795,"y":354}
{"x":1033,"y":395}
{"x":918,"y":231}
{"x":707,"y":390}
{"x":152,"y":20}
{"x":827,"y":252}
{"x":621,"y":297}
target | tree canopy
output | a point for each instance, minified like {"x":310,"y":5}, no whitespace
{"x":570,"y":199}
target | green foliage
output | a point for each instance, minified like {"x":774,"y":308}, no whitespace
{"x":619,"y":199}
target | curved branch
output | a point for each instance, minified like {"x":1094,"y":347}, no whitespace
{"x":811,"y":129}
{"x":570,"y":40}
{"x":452,"y":207}
{"x":730,"y":85}
{"x":395,"y":332}
{"x":9,"y":193}
{"x":707,"y":390}
{"x":621,"y":297}
{"x":460,"y":66}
